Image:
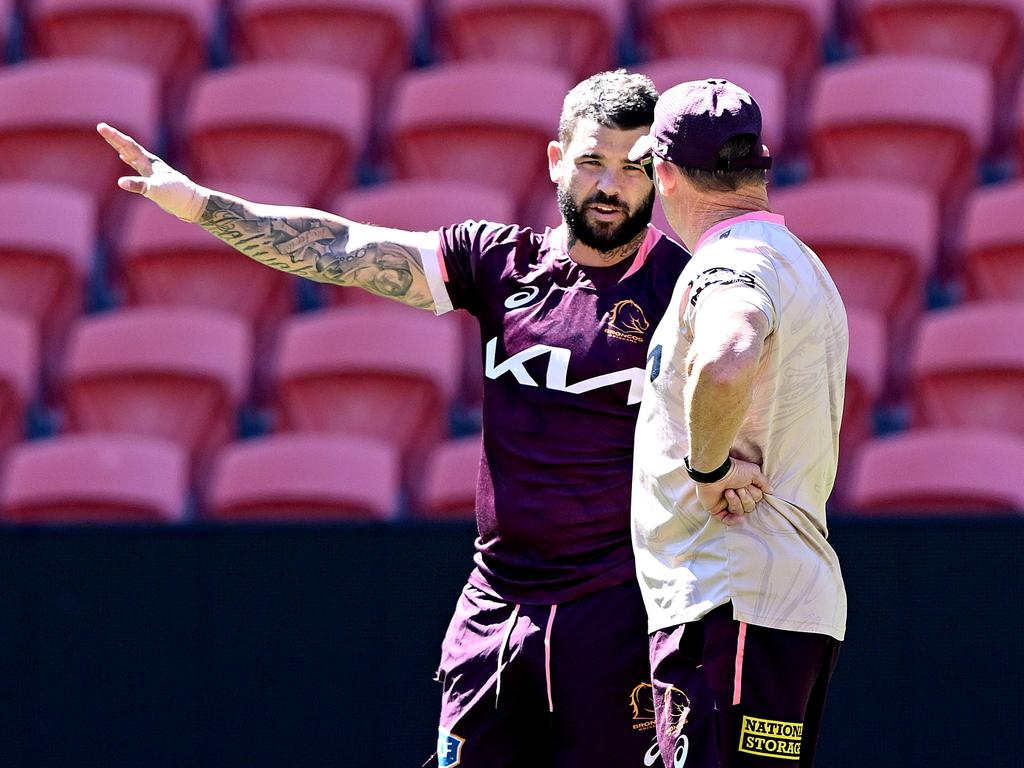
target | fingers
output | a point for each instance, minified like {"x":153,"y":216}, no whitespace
{"x":740,"y":500}
{"x":129,"y":150}
{"x":759,"y":480}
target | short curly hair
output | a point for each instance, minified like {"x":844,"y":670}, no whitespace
{"x":619,"y":99}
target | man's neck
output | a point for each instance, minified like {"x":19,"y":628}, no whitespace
{"x":713,"y":209}
{"x":586,"y":256}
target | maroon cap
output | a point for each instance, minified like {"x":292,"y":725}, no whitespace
{"x":693,"y":120}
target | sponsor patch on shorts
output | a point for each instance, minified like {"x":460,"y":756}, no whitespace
{"x":449,"y":749}
{"x":771,"y":738}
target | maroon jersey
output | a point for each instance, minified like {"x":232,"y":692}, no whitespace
{"x":565,"y":349}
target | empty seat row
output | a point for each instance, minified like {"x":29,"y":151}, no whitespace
{"x":921,"y":122}
{"x":117,"y":478}
{"x":111,"y":477}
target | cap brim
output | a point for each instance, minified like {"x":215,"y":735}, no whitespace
{"x":644,"y":146}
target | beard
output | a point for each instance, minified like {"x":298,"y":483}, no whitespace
{"x":603,"y":236}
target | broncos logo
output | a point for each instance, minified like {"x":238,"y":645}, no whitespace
{"x":676,"y":705}
{"x":627,"y":317}
{"x":641,"y":701}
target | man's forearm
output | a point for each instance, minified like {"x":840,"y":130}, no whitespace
{"x":315,"y":245}
{"x":717,"y":398}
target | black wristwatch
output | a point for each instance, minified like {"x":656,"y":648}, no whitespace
{"x":708,"y":477}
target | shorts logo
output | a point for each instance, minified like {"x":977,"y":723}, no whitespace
{"x":627,"y":322}
{"x":677,"y":708}
{"x":522,"y":298}
{"x":449,"y":749}
{"x":771,"y":738}
{"x":641,"y":702}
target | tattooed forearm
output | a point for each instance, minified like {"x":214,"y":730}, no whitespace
{"x":314,"y":245}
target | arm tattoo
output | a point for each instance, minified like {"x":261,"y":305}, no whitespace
{"x":315,"y":246}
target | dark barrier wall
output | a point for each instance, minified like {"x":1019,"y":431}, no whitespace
{"x":309,"y":646}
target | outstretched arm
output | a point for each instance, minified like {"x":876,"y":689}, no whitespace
{"x":312,"y":244}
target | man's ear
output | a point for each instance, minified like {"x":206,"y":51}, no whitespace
{"x":666,"y":177}
{"x":555,"y":160}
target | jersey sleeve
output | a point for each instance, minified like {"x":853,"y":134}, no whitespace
{"x":456,"y":279}
{"x":740,"y":275}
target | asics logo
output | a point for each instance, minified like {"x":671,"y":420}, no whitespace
{"x":558,"y":371}
{"x":651,"y":756}
{"x":522,"y":298}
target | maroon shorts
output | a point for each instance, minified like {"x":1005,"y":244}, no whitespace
{"x":733,"y":695}
{"x":542,"y":685}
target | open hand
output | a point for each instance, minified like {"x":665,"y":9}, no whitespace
{"x":171,"y":190}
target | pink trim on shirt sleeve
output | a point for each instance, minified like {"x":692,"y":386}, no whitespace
{"x":440,"y":261}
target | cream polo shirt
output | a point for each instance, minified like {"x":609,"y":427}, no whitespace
{"x":775,"y":565}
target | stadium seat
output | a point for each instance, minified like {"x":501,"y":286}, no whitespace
{"x":905,"y":119}
{"x":48,"y":124}
{"x":766,"y":85}
{"x":371,"y":37}
{"x":423,"y":206}
{"x":578,"y":37}
{"x":993,"y":257}
{"x":19,"y":373}
{"x":968,"y":368}
{"x":47,"y":241}
{"x":165,"y":261}
{"x":305,"y":477}
{"x":865,"y":378}
{"x":941,"y":471}
{"x":95,"y":479}
{"x":987,"y":33}
{"x":306,"y":130}
{"x":169,"y":372}
{"x":786,"y":35}
{"x":387,"y":373}
{"x":449,"y":486}
{"x":417,"y":206}
{"x":481,"y":122}
{"x":167,"y":37}
{"x":879,"y":242}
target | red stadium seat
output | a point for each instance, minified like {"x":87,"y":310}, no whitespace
{"x":417,"y":206}
{"x":766,"y":85}
{"x":786,"y":35}
{"x":165,"y":261}
{"x":449,"y":486}
{"x":48,"y":123}
{"x":865,"y":378}
{"x":386,"y":373}
{"x":167,"y":37}
{"x":371,"y":37}
{"x":305,"y":131}
{"x":576,"y":36}
{"x":987,"y":33}
{"x":305,"y":477}
{"x":95,"y":479}
{"x":942,"y":471}
{"x":47,"y":241}
{"x":482,"y":122}
{"x":424,"y":206}
{"x":905,"y":119}
{"x":879,"y":242}
{"x":968,"y":368}
{"x":994,"y":243}
{"x":168,"y":372}
{"x":19,"y":372}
